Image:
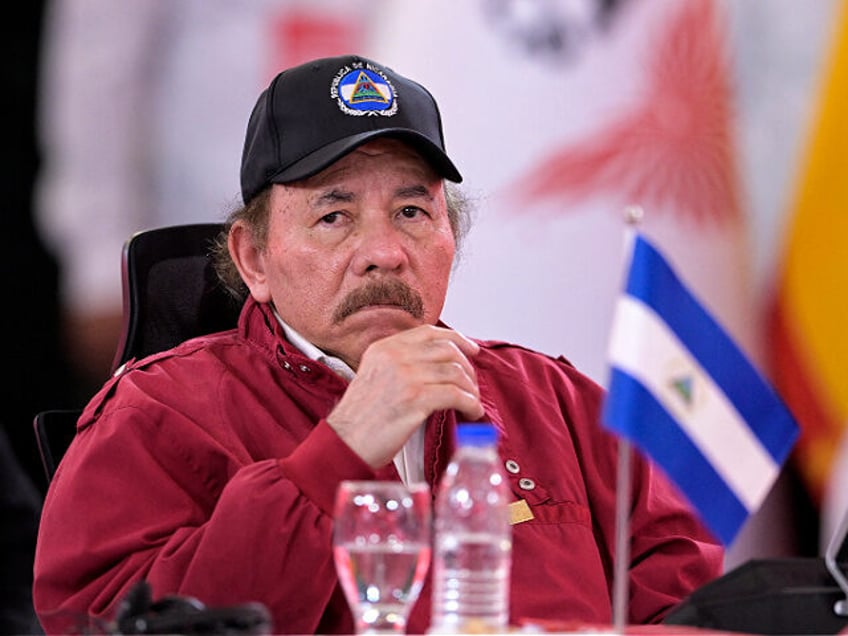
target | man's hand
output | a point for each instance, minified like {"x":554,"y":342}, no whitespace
{"x":400,"y":381}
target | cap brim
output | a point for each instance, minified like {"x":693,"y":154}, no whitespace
{"x":316,"y":161}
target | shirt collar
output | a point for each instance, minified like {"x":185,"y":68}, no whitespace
{"x":312,"y":352}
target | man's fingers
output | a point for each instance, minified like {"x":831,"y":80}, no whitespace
{"x":438,"y":335}
{"x":401,"y":380}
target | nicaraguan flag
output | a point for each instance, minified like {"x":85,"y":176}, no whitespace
{"x":682,"y":391}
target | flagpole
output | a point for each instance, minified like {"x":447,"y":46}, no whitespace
{"x":622,"y":538}
{"x":632,"y":216}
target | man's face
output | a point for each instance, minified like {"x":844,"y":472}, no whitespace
{"x":359,"y":251}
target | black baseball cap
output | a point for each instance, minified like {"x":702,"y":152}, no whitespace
{"x":313,"y":114}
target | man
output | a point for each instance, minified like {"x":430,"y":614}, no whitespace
{"x":210,"y":470}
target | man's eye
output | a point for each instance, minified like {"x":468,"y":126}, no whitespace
{"x":410,"y":212}
{"x":330,"y":218}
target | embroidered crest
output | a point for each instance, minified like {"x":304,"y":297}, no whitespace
{"x":360,"y":89}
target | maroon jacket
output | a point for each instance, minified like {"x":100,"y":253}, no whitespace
{"x":209,"y":471}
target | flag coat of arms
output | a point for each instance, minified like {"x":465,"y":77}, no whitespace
{"x":682,"y":391}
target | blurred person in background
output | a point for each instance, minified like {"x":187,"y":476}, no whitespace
{"x":142,"y":120}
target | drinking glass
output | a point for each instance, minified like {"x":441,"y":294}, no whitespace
{"x":381,"y":544}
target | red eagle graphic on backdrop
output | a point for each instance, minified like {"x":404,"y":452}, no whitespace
{"x":673,"y":150}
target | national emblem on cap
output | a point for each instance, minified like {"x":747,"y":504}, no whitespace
{"x":296,"y":129}
{"x":361,"y":89}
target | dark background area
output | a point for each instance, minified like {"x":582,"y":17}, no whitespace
{"x":36,"y":374}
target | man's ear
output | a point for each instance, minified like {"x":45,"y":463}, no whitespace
{"x":249,"y":260}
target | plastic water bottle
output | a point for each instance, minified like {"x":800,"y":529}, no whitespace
{"x":473,"y":538}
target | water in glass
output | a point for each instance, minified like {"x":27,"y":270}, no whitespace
{"x":382,"y":550}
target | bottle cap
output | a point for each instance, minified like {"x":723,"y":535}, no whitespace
{"x":476,"y":434}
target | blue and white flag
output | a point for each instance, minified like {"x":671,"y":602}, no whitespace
{"x":683,"y":391}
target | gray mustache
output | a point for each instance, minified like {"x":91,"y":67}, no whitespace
{"x":390,"y":292}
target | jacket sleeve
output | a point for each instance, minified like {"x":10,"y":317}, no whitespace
{"x":192,"y":517}
{"x":671,"y":552}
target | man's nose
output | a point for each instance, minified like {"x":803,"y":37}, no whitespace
{"x":381,"y":247}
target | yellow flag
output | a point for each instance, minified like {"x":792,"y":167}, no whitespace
{"x":810,"y":328}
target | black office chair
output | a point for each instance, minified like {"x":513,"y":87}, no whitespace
{"x":171,"y":293}
{"x":54,"y":431}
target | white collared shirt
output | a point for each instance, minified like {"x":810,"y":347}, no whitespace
{"x":410,"y":459}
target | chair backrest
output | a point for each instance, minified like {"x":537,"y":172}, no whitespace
{"x":170,"y":294}
{"x":54,"y":430}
